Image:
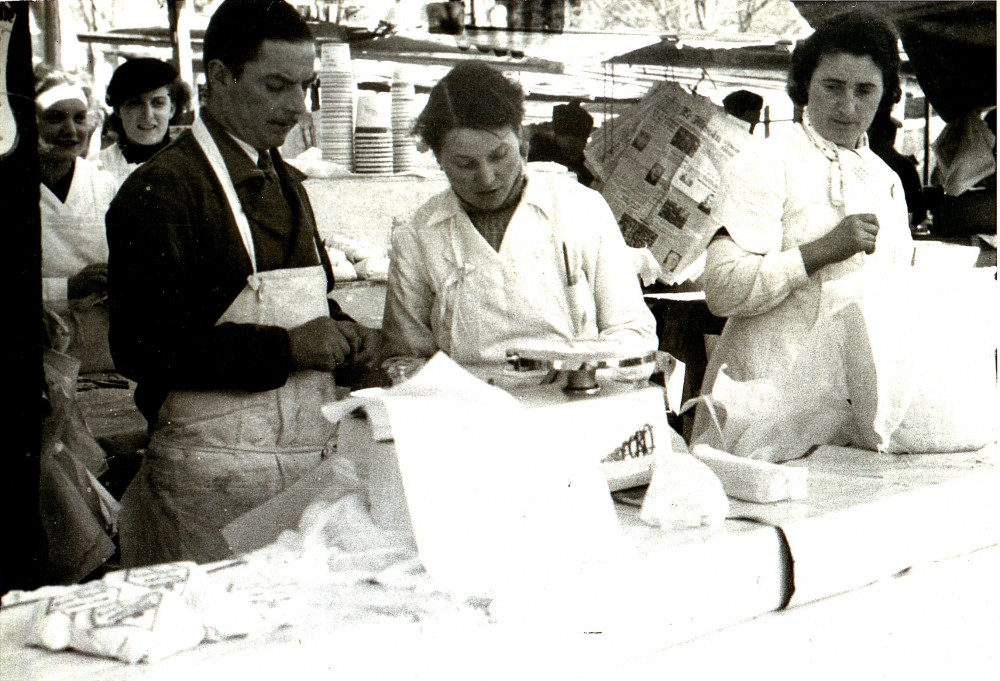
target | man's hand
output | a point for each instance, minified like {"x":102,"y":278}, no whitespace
{"x":318,"y":344}
{"x":854,"y":234}
{"x":91,"y":279}
{"x":365,"y":342}
{"x":324,"y":344}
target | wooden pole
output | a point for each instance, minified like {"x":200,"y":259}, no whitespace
{"x":180,"y":37}
{"x":51,"y":33}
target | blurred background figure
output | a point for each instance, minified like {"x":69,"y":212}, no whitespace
{"x":571,"y":128}
{"x":75,"y":193}
{"x":570,"y":132}
{"x":146,"y":97}
{"x":744,"y":105}
{"x":882,"y":140}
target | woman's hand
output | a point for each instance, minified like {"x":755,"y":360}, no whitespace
{"x":91,"y":279}
{"x":854,"y":234}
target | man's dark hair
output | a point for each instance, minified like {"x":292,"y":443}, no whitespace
{"x":855,"y":33}
{"x":238,"y":27}
{"x":472,"y":95}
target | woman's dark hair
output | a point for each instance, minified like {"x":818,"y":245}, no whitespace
{"x":472,"y":95}
{"x":137,"y":76}
{"x":856,"y":33}
{"x":238,"y":27}
{"x":180,"y":97}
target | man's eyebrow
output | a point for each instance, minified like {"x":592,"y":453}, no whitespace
{"x":288,"y":79}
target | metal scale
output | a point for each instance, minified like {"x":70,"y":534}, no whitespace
{"x":578,"y":366}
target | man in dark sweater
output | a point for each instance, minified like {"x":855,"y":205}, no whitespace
{"x":218,"y":297}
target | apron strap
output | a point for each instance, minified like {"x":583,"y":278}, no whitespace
{"x":204,"y":139}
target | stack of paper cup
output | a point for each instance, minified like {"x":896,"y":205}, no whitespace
{"x":372,"y":138}
{"x":402,"y":121}
{"x":336,"y":99}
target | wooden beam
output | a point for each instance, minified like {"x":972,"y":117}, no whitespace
{"x":180,"y":38}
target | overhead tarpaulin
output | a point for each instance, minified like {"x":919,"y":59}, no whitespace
{"x":951,"y":47}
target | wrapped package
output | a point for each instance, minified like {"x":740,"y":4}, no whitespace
{"x":344,"y":271}
{"x":752,"y":480}
{"x":683,"y":492}
{"x":374,"y":268}
{"x":223,"y":614}
{"x":122,"y":621}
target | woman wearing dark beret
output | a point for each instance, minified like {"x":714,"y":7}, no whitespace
{"x":146,"y":97}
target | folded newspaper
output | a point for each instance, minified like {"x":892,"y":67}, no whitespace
{"x":658,"y":165}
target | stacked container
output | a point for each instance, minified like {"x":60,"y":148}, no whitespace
{"x":372,"y":137}
{"x":402,"y":121}
{"x":337,"y":94}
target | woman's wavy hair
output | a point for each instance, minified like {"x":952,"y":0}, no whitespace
{"x":857,"y":33}
{"x":473,"y":95}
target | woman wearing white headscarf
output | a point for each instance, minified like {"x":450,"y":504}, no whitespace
{"x":75,"y":195}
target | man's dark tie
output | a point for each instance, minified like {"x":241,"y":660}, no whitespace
{"x":268,"y":204}
{"x":264,"y":163}
{"x":271,"y":216}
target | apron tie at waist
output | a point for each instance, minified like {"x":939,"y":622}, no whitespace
{"x":256,"y":284}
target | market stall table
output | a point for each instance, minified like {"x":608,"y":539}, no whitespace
{"x":868,"y":518}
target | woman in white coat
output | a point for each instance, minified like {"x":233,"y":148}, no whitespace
{"x":75,"y":193}
{"x":810,"y":219}
{"x":146,"y":97}
{"x":506,"y":256}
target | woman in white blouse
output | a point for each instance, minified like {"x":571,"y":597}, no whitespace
{"x":506,"y":256}
{"x":807,"y":220}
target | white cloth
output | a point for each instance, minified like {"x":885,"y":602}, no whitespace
{"x":73,"y":233}
{"x":113,"y":160}
{"x":777,"y":196}
{"x":449,"y":290}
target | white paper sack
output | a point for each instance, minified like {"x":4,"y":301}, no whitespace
{"x":779,"y":419}
{"x":751,"y":480}
{"x":684,"y":492}
{"x":932,"y":350}
{"x":496,"y":498}
{"x":911,"y":368}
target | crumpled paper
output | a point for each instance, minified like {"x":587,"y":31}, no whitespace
{"x":683,"y":493}
{"x":909,"y":368}
{"x":964,"y":152}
